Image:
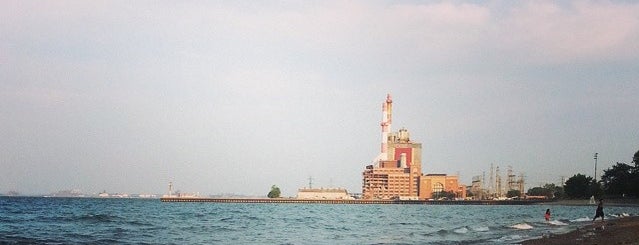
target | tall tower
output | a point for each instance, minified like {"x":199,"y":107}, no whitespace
{"x":520,"y":182}
{"x":512,"y":183}
{"x":387,"y":118}
{"x":498,"y":182}
{"x":491,"y":189}
{"x":387,"y":115}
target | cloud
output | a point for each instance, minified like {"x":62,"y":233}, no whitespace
{"x":347,"y":33}
{"x":548,"y":33}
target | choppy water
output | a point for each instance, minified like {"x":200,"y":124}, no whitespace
{"x":138,"y":221}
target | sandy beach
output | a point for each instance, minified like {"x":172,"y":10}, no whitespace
{"x":618,"y":231}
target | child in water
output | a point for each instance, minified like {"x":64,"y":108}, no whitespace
{"x":547,"y":215}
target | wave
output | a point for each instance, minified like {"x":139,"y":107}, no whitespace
{"x":480,"y":228}
{"x":98,"y":218}
{"x":581,"y":219}
{"x":510,"y":238}
{"x":556,"y":222}
{"x":522,"y":226}
{"x":139,"y":223}
{"x":462,"y":230}
{"x":621,"y":215}
{"x":442,"y":232}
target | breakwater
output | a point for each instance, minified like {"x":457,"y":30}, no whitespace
{"x":352,"y":201}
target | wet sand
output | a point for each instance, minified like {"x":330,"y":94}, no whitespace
{"x":618,"y":231}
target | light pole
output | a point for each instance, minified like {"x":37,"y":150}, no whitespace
{"x":596,"y":166}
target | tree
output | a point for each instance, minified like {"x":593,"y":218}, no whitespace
{"x":540,"y":191}
{"x":450,"y":195}
{"x":470,"y":193}
{"x":536,"y":191}
{"x":548,"y":190}
{"x":622,"y":178}
{"x":513,"y":193}
{"x":555,"y":191}
{"x":616,"y":180}
{"x":634,"y":177}
{"x":445,"y":195}
{"x":579,"y":186}
{"x":274,"y":193}
{"x":596,"y":189}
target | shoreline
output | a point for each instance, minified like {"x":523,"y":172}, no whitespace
{"x":346,"y":201}
{"x":585,"y":202}
{"x":623,"y":230}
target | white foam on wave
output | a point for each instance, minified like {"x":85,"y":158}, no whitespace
{"x":462,"y":230}
{"x":522,"y":226}
{"x":619,"y":215}
{"x":581,"y":219}
{"x":556,"y":222}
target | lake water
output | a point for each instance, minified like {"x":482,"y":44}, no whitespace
{"x":138,"y":221}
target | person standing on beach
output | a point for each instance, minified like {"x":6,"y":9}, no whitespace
{"x":599,"y":212}
{"x":547,"y":215}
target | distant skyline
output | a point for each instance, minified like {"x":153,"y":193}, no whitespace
{"x":233,"y":97}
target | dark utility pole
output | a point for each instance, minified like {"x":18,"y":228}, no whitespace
{"x":596,"y":166}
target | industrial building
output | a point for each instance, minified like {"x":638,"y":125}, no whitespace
{"x":396,"y":173}
{"x":321,"y":193}
{"x":495,"y":188}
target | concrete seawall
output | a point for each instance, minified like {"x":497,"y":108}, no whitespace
{"x":355,"y":201}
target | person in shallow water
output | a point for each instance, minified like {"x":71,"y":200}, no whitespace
{"x":547,"y":215}
{"x":599,"y":212}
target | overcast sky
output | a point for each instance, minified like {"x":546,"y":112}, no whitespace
{"x":235,"y":96}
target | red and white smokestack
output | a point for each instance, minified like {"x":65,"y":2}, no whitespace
{"x":387,"y":108}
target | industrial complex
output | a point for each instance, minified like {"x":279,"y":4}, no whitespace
{"x":396,"y":173}
{"x":396,"y":176}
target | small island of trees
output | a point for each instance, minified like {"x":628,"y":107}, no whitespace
{"x":274,"y":193}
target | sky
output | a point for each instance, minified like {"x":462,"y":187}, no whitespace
{"x":237,"y":96}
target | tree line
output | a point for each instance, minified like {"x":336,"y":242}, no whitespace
{"x":619,"y":181}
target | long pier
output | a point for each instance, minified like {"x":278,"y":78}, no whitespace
{"x":349,"y":201}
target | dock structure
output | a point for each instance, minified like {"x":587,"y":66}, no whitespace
{"x":348,"y":201}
